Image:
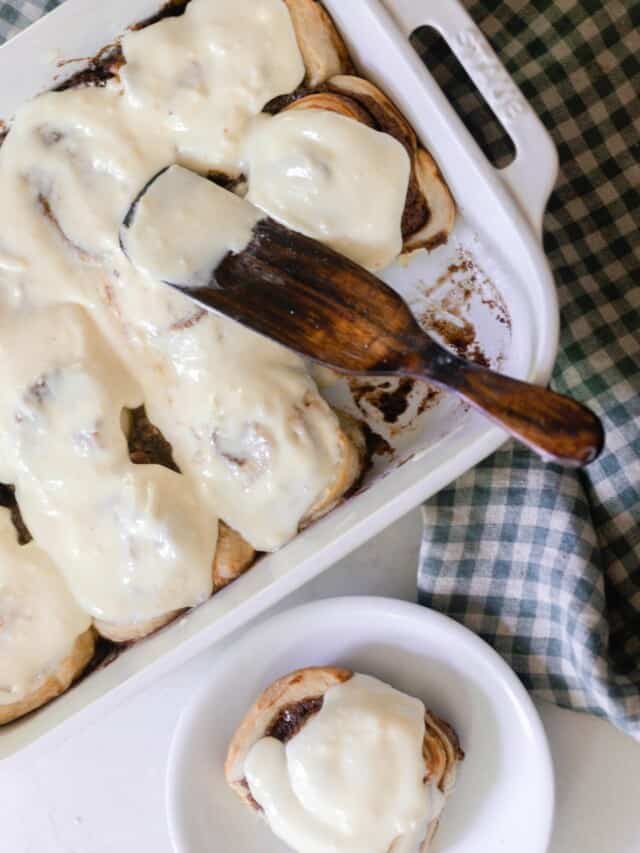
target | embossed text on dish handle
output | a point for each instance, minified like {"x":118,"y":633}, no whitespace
{"x":489,"y":75}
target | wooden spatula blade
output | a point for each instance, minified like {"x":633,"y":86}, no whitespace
{"x":308,"y":297}
{"x":313,"y":300}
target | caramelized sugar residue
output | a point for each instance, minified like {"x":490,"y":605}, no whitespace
{"x":147,"y":445}
{"x":8,"y":500}
{"x":446,"y":316}
{"x":389,"y":397}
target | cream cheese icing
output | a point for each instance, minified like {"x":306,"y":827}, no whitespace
{"x":39,"y":619}
{"x":255,"y":442}
{"x":132,"y":541}
{"x":353,"y":779}
{"x":333,"y":178}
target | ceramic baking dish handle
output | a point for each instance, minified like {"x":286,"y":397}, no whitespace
{"x":531,"y":176}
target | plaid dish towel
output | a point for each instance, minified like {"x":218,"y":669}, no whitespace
{"x":545,"y":563}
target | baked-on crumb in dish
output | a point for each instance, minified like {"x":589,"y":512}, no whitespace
{"x":150,"y":450}
{"x":334,"y":760}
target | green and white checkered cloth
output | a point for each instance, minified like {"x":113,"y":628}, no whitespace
{"x":545,"y":563}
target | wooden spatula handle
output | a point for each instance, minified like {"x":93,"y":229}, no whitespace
{"x":558,"y":428}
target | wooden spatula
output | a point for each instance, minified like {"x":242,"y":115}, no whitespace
{"x":315,"y":301}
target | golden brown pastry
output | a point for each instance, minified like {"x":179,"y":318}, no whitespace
{"x":67,"y":671}
{"x":352,"y":465}
{"x":46,"y":641}
{"x":322,"y":48}
{"x":234,"y":555}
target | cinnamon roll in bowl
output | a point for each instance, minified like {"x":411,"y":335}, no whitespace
{"x":338,"y":761}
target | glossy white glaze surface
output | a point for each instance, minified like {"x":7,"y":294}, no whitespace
{"x":354,"y":778}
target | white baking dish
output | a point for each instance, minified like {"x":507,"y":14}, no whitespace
{"x":499,"y":223}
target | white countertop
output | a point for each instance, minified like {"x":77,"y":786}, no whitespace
{"x":103,"y":791}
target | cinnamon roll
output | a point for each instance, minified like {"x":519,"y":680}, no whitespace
{"x":132,"y":542}
{"x":322,"y":47}
{"x":46,"y":640}
{"x":334,"y":760}
{"x":327,"y":170}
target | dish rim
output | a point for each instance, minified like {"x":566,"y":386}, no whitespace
{"x":358,"y":605}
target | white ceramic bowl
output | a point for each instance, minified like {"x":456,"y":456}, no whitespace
{"x":504,"y":797}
